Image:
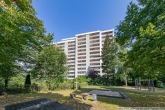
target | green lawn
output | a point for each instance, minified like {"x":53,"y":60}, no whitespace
{"x":137,"y":99}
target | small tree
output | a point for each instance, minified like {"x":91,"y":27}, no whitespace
{"x":27,"y":82}
{"x":93,"y":74}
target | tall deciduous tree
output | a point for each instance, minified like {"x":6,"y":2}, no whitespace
{"x":51,"y":64}
{"x":109,"y":56}
{"x":21,"y":34}
{"x":142,"y":31}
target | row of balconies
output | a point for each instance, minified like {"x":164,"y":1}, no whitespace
{"x":94,"y":63}
{"x":91,"y":49}
{"x":71,"y":59}
{"x":82,"y":46}
{"x":71,"y":55}
{"x":96,"y":56}
{"x":81,"y":36}
{"x":95,"y":41}
{"x":95,"y":60}
{"x":71,"y":46}
{"x":92,"y":45}
{"x":73,"y":52}
{"x":81,"y":68}
{"x":81,"y":57}
{"x":81,"y":50}
{"x":82,"y":54}
{"x":81,"y":61}
{"x":93,"y":38}
{"x":72,"y":42}
{"x":81,"y":72}
{"x":106,"y":33}
{"x":71,"y":49}
{"x":82,"y":43}
{"x":81,"y":64}
{"x":94,"y":52}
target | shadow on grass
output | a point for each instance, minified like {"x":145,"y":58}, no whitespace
{"x":12,"y":99}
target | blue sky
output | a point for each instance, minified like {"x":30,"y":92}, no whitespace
{"x":66,"y":18}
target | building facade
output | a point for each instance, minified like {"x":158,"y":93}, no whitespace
{"x":84,"y":52}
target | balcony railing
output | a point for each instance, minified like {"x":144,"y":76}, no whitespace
{"x":81,"y":54}
{"x":82,"y":43}
{"x":94,"y":37}
{"x":94,"y":60}
{"x":81,"y":57}
{"x":105,"y":33}
{"x":79,"y":47}
{"x":81,"y":64}
{"x":81,"y":37}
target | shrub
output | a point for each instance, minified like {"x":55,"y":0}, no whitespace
{"x":27,"y":82}
{"x":160,"y":84}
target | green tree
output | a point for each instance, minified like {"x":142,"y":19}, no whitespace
{"x":21,"y":34}
{"x":122,"y":68}
{"x":51,"y":64}
{"x":27,"y":82}
{"x":109,"y":56}
{"x":142,"y":31}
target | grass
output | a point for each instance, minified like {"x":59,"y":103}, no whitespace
{"x":138,"y":99}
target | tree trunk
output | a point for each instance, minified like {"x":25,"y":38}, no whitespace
{"x":125,"y":79}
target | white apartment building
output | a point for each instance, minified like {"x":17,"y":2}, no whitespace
{"x":84,"y":52}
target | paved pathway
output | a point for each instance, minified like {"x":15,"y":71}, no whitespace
{"x":145,"y":90}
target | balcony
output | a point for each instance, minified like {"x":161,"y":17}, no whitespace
{"x":95,"y":34}
{"x":108,"y":32}
{"x":81,"y":40}
{"x":94,"y":53}
{"x":71,"y":59}
{"x":83,"y":43}
{"x":81,"y":64}
{"x":94,"y":64}
{"x":81,"y":50}
{"x":81,"y":37}
{"x":82,"y":72}
{"x":94,"y":45}
{"x":70,"y":53}
{"x":94,"y":49}
{"x":71,"y":49}
{"x":81,"y":47}
{"x":82,"y":54}
{"x":94,"y":60}
{"x":81,"y":58}
{"x":94,"y":38}
{"x":94,"y":41}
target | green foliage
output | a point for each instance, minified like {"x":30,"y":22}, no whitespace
{"x":109,"y":56}
{"x":159,"y":84}
{"x":22,"y":35}
{"x":19,"y":79}
{"x":142,"y":31}
{"x":50,"y":65}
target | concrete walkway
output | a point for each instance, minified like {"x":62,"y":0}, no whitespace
{"x":145,"y":90}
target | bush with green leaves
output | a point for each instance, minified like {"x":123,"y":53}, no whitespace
{"x":160,"y":84}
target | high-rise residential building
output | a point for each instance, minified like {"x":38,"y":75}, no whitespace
{"x":84,"y":52}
